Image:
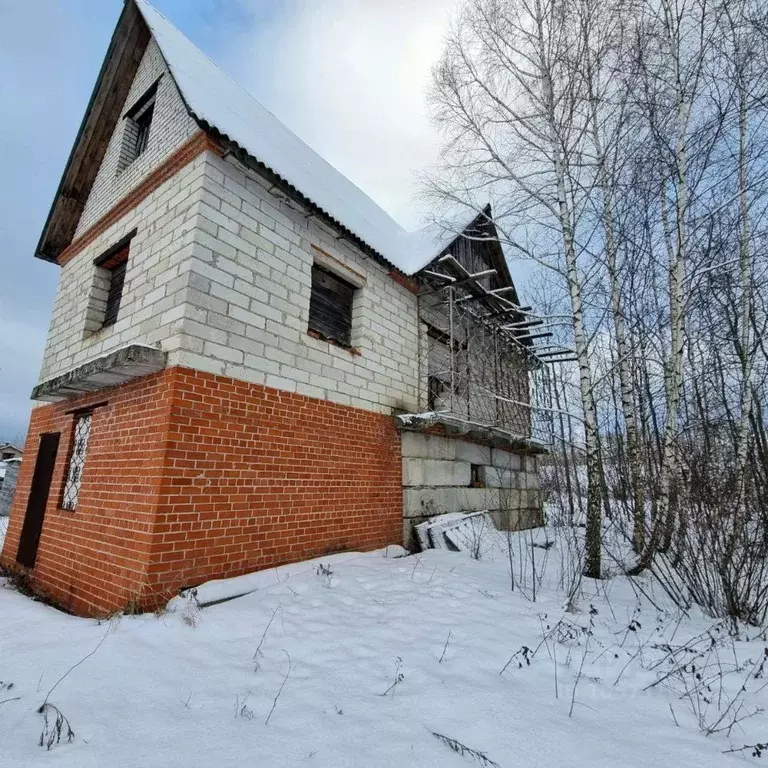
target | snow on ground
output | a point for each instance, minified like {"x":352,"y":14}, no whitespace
{"x":435,"y":630}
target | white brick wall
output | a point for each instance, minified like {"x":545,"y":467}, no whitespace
{"x":155,"y":282}
{"x":171,"y":127}
{"x":219,"y":275}
{"x":248,"y":297}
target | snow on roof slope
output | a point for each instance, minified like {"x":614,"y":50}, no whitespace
{"x":218,"y":100}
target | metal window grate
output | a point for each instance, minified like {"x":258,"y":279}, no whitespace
{"x":77,"y":462}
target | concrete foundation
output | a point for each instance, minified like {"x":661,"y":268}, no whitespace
{"x":439,"y":477}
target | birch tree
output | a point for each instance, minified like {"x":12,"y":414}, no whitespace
{"x":612,"y":127}
{"x":672,"y":41}
{"x":622,"y":146}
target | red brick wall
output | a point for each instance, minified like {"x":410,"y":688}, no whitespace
{"x":256,"y":477}
{"x":191,"y":476}
{"x":95,"y":559}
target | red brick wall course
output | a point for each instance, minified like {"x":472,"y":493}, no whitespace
{"x":191,"y":476}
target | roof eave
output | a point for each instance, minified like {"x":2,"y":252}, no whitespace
{"x":260,"y":167}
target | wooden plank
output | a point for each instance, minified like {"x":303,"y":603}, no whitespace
{"x":116,"y":283}
{"x":330,"y":306}
{"x":113,"y":82}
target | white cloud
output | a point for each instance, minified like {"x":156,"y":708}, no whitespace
{"x":349,"y":77}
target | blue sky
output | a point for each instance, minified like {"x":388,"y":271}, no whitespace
{"x":348,"y":76}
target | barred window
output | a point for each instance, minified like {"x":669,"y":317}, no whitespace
{"x":77,"y":462}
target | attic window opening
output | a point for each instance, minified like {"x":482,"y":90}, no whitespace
{"x":143,"y":121}
{"x":138,"y":124}
{"x":330,"y":307}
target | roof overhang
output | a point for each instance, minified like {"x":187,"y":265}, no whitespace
{"x":126,"y":48}
{"x":118,"y":367}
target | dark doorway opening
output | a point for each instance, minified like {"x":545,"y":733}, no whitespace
{"x":38,"y":499}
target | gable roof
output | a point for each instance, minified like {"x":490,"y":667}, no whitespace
{"x":225,"y":109}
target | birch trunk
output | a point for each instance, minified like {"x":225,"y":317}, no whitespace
{"x":663,"y":522}
{"x":745,"y":288}
{"x":623,"y":347}
{"x":592,"y":566}
{"x":744,"y":336}
{"x":676,"y":243}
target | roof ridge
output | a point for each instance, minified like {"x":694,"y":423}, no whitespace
{"x":144,"y":5}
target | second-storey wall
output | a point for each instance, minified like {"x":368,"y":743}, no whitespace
{"x":219,"y":276}
{"x":153,"y":295}
{"x":249,"y":293}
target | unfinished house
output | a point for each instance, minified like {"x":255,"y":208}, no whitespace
{"x":249,"y":362}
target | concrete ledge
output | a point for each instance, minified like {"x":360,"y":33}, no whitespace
{"x":452,"y":426}
{"x":111,"y":370}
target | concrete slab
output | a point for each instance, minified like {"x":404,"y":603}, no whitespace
{"x":435,"y":472}
{"x":506,"y":460}
{"x":475,"y":534}
{"x":473,"y":453}
{"x":423,"y":502}
{"x":456,"y":427}
{"x":110,"y":370}
{"x":417,"y":445}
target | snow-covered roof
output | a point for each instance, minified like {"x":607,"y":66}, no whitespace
{"x":216,"y":99}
